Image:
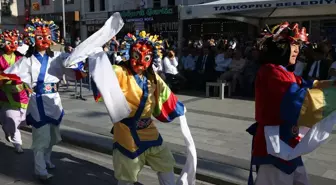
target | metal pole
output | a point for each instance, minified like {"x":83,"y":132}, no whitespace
{"x":64,"y":28}
{"x":0,"y":11}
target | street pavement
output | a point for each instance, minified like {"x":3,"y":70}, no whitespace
{"x":74,"y":165}
{"x":218,"y":128}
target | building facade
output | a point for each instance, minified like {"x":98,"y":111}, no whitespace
{"x":53,"y":10}
{"x":156,"y":16}
{"x":9,"y":15}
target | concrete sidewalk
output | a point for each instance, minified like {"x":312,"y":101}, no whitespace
{"x":74,"y":166}
{"x":218,"y":128}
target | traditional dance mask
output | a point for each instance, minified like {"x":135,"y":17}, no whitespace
{"x":41,"y":33}
{"x":42,"y":38}
{"x":10,"y":40}
{"x":141,"y":57}
{"x":141,"y":49}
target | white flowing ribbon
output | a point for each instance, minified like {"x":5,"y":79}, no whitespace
{"x":108,"y":85}
{"x":188,"y":173}
{"x":87,"y":48}
{"x":311,"y":140}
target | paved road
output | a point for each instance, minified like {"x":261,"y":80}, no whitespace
{"x":218,"y":128}
{"x":74,"y":166}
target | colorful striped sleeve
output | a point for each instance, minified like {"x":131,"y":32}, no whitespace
{"x":167,"y":107}
{"x":318,"y":104}
{"x":307,"y":106}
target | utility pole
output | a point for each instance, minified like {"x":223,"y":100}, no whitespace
{"x":0,"y":12}
{"x":64,"y":26}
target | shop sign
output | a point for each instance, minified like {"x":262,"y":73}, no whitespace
{"x":148,"y":15}
{"x":270,"y":4}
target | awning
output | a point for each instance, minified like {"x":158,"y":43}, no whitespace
{"x":259,"y":8}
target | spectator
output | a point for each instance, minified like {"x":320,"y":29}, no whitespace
{"x":250,"y":72}
{"x":114,"y":44}
{"x":221,"y":64}
{"x":318,"y":69}
{"x":78,"y":41}
{"x":300,"y":65}
{"x":235,"y":70}
{"x":205,"y":67}
{"x":170,"y":67}
{"x":189,"y":66}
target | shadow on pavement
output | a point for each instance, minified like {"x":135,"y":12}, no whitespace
{"x":91,"y":114}
{"x":208,"y":171}
{"x":70,"y":169}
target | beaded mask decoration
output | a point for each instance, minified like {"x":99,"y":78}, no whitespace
{"x":141,"y":50}
{"x":41,"y":33}
{"x":10,"y":40}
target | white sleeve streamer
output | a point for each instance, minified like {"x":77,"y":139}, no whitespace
{"x":108,"y":86}
{"x":188,"y":173}
{"x":22,"y":68}
{"x":87,"y":48}
{"x":314,"y":138}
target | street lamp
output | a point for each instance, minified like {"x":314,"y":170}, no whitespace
{"x":63,"y":18}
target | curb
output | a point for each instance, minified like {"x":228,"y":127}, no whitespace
{"x":202,"y":174}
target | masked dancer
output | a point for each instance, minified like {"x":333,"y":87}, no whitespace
{"x":294,"y":116}
{"x":42,"y":69}
{"x":13,"y":95}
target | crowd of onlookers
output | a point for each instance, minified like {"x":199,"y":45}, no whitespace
{"x":232,"y":61}
{"x":221,"y":60}
{"x":238,"y":63}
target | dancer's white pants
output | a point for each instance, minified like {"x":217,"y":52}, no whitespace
{"x":44,"y":138}
{"x":166,"y":178}
{"x":270,"y":175}
{"x":11,"y":120}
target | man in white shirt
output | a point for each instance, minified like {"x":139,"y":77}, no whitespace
{"x":173,"y":78}
{"x":170,"y":64}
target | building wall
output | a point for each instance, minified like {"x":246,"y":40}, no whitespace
{"x":55,"y":6}
{"x":9,"y":19}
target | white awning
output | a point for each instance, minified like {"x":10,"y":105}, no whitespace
{"x":259,"y":8}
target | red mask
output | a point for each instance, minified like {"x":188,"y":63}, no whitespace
{"x":42,"y":38}
{"x":11,"y":44}
{"x":141,"y":57}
